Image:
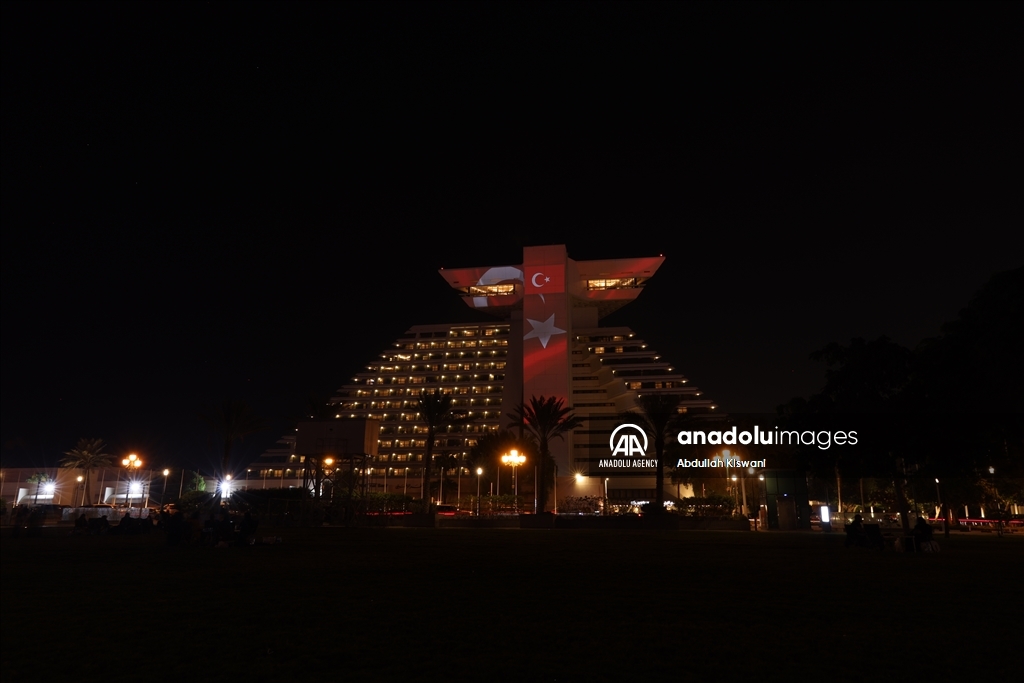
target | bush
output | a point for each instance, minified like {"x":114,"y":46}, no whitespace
{"x":586,"y":505}
{"x":713,"y":505}
{"x":193,"y":501}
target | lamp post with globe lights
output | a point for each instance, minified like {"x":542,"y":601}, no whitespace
{"x":131,"y":464}
{"x":514,"y":460}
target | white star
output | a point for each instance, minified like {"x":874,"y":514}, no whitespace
{"x":543,"y":330}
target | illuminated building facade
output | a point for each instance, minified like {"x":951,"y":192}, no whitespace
{"x":545,"y":340}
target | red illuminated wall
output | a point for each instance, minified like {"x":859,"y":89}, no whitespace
{"x":546,"y":323}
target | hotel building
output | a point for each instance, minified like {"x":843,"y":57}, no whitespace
{"x":545,"y":339}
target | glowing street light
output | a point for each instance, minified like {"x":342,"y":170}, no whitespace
{"x":163,"y":493}
{"x":131,"y":464}
{"x":80,"y":480}
{"x":479,"y":471}
{"x":514,"y":460}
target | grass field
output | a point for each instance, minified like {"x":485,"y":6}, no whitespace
{"x":461,"y":604}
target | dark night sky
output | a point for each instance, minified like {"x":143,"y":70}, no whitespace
{"x":203,"y":201}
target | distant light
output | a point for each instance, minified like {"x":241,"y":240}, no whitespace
{"x":48,"y":488}
{"x":824,"y":514}
{"x":166,"y":472}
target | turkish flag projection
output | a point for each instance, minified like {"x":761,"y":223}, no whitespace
{"x":545,"y":323}
{"x":544,"y":278}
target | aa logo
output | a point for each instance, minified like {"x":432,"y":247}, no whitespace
{"x":627,"y":443}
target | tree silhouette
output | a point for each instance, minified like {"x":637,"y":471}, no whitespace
{"x":545,"y":419}
{"x":436,"y":409}
{"x":232,"y":421}
{"x":658,"y":415}
{"x":87,"y":456}
{"x":39,"y":478}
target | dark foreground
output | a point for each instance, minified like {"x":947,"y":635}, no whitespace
{"x":459,"y":604}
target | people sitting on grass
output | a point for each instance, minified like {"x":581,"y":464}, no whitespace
{"x":923,"y":536}
{"x":855,"y":532}
{"x":176,"y":528}
{"x":247,"y":529}
{"x":125,"y":525}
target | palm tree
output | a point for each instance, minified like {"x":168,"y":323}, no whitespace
{"x":658,"y":415}
{"x":39,"y":478}
{"x":87,"y":456}
{"x":545,"y":419}
{"x":436,"y":409}
{"x":232,"y":421}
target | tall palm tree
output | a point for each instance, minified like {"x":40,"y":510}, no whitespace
{"x":87,"y":456}
{"x":437,"y":410}
{"x":658,"y":415}
{"x":232,"y":421}
{"x":545,"y":419}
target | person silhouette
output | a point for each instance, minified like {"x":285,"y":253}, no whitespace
{"x":855,"y":534}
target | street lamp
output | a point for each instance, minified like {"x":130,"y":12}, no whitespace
{"x":514,"y":459}
{"x":327,"y":475}
{"x":999,"y":526}
{"x":225,"y":486}
{"x":132,"y":464}
{"x":80,"y":480}
{"x":163,"y":493}
{"x":479,"y":471}
{"x":762,"y":493}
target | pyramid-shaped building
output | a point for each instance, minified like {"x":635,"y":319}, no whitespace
{"x":545,"y":340}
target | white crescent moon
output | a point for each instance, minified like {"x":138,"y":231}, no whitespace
{"x":534,"y":279}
